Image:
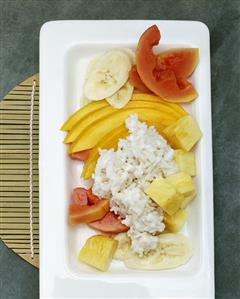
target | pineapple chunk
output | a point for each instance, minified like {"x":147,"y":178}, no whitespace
{"x":182,"y":182}
{"x":175,"y":222}
{"x":187,"y":199}
{"x":185,"y":161}
{"x":183,"y":134}
{"x":98,"y":252}
{"x":165,"y":195}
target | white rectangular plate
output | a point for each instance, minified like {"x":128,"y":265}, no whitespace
{"x":65,"y":49}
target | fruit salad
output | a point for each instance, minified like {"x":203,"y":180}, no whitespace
{"x":136,"y":143}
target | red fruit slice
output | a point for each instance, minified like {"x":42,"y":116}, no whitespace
{"x":109,"y":224}
{"x":84,"y":214}
{"x":136,"y":81}
{"x":160,"y":80}
{"x":182,"y":61}
{"x":92,"y":199}
{"x":82,"y":155}
{"x":79,"y":196}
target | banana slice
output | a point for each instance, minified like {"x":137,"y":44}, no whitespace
{"x":107,"y":75}
{"x":120,"y":98}
{"x":173,"y":251}
{"x":124,"y":245}
{"x":130,"y":53}
{"x":91,"y":66}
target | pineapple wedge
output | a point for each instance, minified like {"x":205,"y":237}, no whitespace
{"x":185,"y":161}
{"x":182,"y":182}
{"x":165,"y":195}
{"x":98,"y":252}
{"x":187,"y":199}
{"x":183,"y":134}
{"x":175,"y":222}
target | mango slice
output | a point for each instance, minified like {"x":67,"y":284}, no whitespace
{"x":104,"y":112}
{"x":110,"y":140}
{"x":81,"y":113}
{"x":98,"y":252}
{"x":151,"y":97}
{"x":90,"y":137}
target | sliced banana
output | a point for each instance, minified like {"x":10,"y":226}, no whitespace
{"x":130,"y":53}
{"x":91,"y":65}
{"x":124,"y":245}
{"x":120,"y":98}
{"x":173,"y":251}
{"x":107,"y":75}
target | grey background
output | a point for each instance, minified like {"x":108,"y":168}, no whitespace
{"x":19,"y":32}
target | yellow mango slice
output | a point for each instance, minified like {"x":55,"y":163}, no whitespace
{"x":96,"y":105}
{"x":89,"y":119}
{"x":98,"y":252}
{"x":110,"y":140}
{"x":90,"y":137}
{"x":150,"y":97}
{"x":81,"y":113}
{"x":175,"y":222}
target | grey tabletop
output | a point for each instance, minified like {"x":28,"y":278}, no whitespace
{"x":19,"y":32}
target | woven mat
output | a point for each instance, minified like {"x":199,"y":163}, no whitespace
{"x":17,"y":218}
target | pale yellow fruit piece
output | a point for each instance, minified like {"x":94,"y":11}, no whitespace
{"x":121,"y":97}
{"x":107,"y":75}
{"x":188,"y":199}
{"x":182,"y":182}
{"x":98,"y":252}
{"x":124,"y":245}
{"x":184,"y":134}
{"x":173,"y":251}
{"x":185,"y":162}
{"x":175,"y":222}
{"x":165,"y":195}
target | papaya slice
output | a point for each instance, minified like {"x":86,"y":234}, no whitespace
{"x":82,"y":125}
{"x":81,"y":156}
{"x":110,"y":223}
{"x":182,"y":61}
{"x":136,"y":81}
{"x":84,"y":214}
{"x":95,"y":132}
{"x":160,"y":80}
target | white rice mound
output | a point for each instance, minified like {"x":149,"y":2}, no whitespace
{"x":123,"y":175}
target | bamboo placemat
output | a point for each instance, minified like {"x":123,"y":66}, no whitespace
{"x":19,"y":225}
